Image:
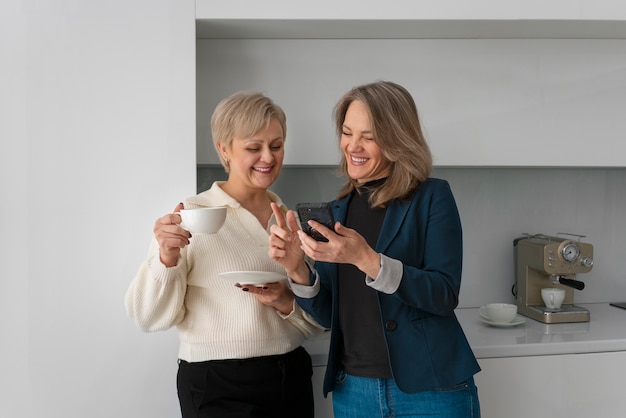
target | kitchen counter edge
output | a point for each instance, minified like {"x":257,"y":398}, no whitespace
{"x":605,"y":332}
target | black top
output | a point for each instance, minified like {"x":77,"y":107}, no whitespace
{"x":364,"y":352}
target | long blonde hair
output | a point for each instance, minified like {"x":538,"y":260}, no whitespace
{"x":397,"y":131}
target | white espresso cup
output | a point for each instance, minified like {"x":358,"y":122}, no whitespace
{"x":552,"y":297}
{"x":203,"y":220}
{"x":501,"y":313}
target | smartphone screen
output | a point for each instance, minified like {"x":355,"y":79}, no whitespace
{"x":319,"y":212}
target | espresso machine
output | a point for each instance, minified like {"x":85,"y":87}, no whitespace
{"x":550,"y":261}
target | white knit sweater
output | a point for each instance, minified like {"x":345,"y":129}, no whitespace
{"x":215,"y":319}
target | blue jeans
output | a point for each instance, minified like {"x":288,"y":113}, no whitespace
{"x":364,"y":397}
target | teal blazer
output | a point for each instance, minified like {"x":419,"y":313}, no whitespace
{"x":426,"y":345}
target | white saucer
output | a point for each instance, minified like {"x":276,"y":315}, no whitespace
{"x":517,"y":321}
{"x":256,"y":278}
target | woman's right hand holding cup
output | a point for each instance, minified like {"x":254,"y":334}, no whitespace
{"x":170,"y":236}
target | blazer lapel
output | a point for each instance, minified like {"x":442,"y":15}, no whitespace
{"x":396,"y":212}
{"x":340,"y":209}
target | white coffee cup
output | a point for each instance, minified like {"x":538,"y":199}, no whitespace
{"x":501,"y":313}
{"x":203,"y":220}
{"x":552,"y":297}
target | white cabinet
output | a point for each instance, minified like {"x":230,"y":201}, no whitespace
{"x":573,"y":386}
{"x":526,"y":11}
{"x":494,"y":85}
{"x":323,"y":406}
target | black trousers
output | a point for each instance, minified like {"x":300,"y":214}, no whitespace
{"x":261,"y":387}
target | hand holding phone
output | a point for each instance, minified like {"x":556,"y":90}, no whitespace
{"x":319,"y":212}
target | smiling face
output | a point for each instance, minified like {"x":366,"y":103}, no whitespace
{"x":365,"y":161}
{"x":255,"y":162}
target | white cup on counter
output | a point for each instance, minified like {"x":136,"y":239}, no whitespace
{"x":500,"y":313}
{"x":552,"y":297}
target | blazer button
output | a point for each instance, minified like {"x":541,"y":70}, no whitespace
{"x":391,"y":325}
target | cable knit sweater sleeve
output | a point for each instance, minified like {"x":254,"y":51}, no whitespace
{"x":155,"y":298}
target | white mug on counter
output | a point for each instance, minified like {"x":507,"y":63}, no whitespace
{"x":552,"y":297}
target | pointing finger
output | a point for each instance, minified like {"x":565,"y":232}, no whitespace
{"x":279,"y":215}
{"x":294,"y":225}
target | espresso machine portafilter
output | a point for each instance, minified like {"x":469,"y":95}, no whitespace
{"x":550,"y":261}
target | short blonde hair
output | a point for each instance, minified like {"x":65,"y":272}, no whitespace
{"x":242,"y":115}
{"x":397,"y":131}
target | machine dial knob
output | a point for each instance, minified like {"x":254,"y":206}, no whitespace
{"x":586,"y":261}
{"x":570,"y":251}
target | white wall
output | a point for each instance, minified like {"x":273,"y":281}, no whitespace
{"x":97,"y":128}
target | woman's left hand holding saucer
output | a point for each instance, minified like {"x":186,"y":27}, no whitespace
{"x":277,"y":295}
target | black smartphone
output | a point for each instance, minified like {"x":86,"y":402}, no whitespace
{"x":319,"y":212}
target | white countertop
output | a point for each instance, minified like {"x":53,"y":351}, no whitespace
{"x":605,"y":332}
